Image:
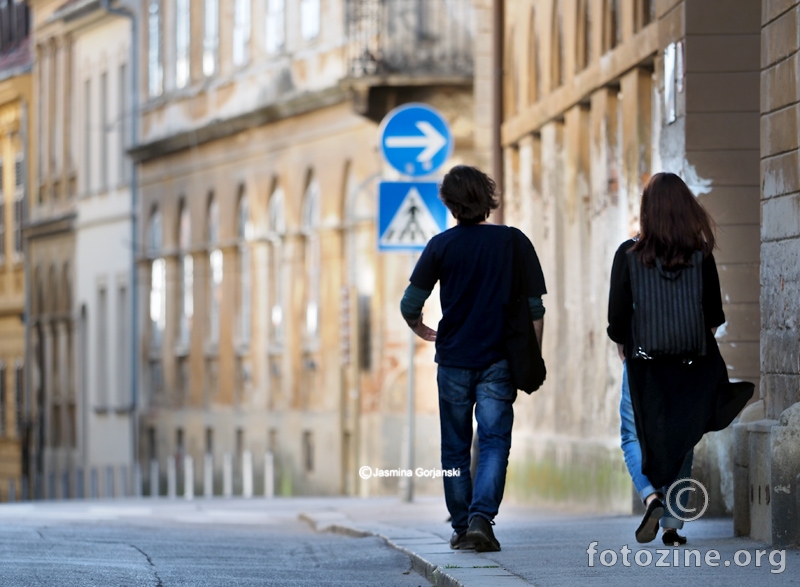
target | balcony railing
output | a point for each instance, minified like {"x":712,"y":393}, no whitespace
{"x":417,"y":38}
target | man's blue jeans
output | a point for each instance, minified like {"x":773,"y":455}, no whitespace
{"x":492,"y":394}
{"x":633,"y":459}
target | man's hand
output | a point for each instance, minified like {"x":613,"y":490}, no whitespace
{"x":621,"y":351}
{"x":424,"y":332}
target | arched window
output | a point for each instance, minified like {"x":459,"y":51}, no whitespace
{"x":244,"y":233}
{"x":215,"y":270}
{"x":158,"y":281}
{"x":583,"y":38}
{"x":185,"y":277}
{"x":533,"y":59}
{"x":277,"y":230}
{"x":557,"y":47}
{"x":310,"y":228}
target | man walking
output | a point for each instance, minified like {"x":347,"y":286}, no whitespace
{"x":473,"y":263}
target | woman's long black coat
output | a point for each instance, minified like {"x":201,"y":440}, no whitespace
{"x":674,"y":403}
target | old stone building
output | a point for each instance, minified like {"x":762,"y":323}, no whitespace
{"x":597,"y":96}
{"x":768,"y":439}
{"x":50,"y":236}
{"x":16,"y":146}
{"x":268,"y":321}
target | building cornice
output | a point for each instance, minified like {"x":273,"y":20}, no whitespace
{"x":218,"y":129}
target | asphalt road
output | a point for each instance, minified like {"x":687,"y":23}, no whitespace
{"x":170,"y":544}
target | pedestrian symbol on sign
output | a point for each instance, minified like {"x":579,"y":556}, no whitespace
{"x":409,"y":218}
{"x":412,"y":224}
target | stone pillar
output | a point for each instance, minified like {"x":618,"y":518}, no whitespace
{"x":785,"y":477}
{"x":637,"y":93}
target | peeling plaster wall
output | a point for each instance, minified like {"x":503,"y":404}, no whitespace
{"x":577,"y":155}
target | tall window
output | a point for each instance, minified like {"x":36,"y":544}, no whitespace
{"x":182,"y":28}
{"x":19,"y":199}
{"x":158,"y":283}
{"x":275,"y":25}
{"x":186,"y":277}
{"x":612,"y":27}
{"x":557,"y":62}
{"x":311,"y":215}
{"x":309,"y":19}
{"x":123,"y":350}
{"x":644,"y":13}
{"x":583,"y":40}
{"x":103,"y":131}
{"x":210,"y":37}
{"x":244,"y":234}
{"x":154,"y":67}
{"x":2,"y":212}
{"x":87,"y":136}
{"x":215,"y":271}
{"x":277,"y":230}
{"x":18,"y":400}
{"x":3,"y":413}
{"x":533,"y":60}
{"x":102,"y":347}
{"x":123,"y":123}
{"x":241,"y":31}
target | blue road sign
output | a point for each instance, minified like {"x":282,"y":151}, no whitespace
{"x":415,"y":139}
{"x":409,"y":214}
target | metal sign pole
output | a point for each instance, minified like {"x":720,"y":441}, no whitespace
{"x":412,"y":346}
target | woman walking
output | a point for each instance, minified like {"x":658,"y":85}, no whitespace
{"x":663,"y":311}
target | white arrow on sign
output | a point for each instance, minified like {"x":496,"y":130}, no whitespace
{"x":431,"y":139}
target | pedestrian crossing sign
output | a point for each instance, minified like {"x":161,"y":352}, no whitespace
{"x":409,"y":214}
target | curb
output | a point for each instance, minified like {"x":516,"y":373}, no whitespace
{"x":430,"y":556}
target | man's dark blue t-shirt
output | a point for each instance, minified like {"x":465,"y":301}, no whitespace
{"x":473,"y":264}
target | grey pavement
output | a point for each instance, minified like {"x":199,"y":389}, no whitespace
{"x":376,"y":541}
{"x":549,"y":548}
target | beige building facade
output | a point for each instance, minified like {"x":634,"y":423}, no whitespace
{"x":16,"y":148}
{"x":50,"y":236}
{"x":268,"y":320}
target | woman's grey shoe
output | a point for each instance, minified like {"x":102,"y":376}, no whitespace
{"x":459,"y":541}
{"x":480,"y":533}
{"x":648,"y":529}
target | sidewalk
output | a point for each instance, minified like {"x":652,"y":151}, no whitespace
{"x":550,"y":548}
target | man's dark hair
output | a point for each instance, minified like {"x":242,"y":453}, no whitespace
{"x":469,"y":194}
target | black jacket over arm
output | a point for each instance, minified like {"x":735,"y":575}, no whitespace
{"x":674,"y":402}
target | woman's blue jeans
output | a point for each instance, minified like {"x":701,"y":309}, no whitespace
{"x":492,"y":394}
{"x":633,"y":459}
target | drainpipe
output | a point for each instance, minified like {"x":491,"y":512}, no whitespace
{"x":498,"y":23}
{"x":26,"y":365}
{"x":126,"y":12}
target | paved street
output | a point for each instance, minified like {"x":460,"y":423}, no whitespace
{"x":273,"y":542}
{"x":170,"y":544}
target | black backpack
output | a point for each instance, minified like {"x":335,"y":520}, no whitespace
{"x":667,"y":309}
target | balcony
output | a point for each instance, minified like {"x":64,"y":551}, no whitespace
{"x":397,"y":47}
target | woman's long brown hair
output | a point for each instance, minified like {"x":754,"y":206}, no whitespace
{"x":672,"y":223}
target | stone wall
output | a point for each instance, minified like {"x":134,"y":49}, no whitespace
{"x":780,"y":206}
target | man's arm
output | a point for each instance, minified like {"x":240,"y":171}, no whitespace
{"x":411,"y":308}
{"x":538,"y":328}
{"x":537,"y":315}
